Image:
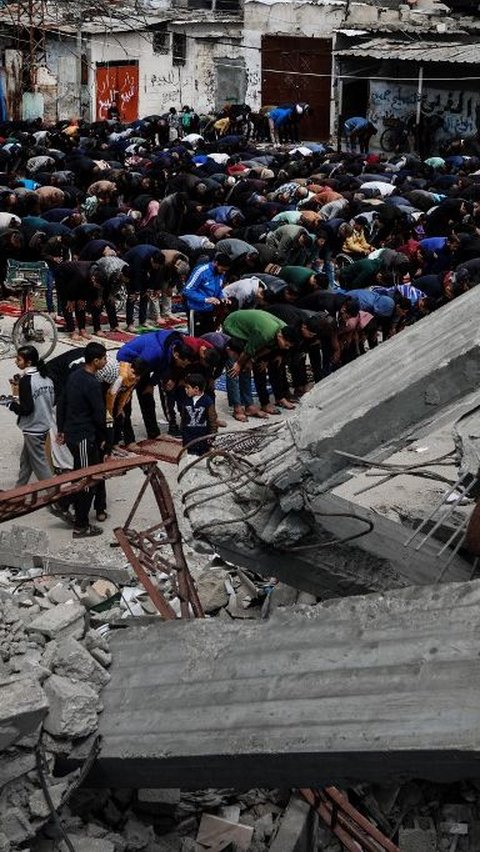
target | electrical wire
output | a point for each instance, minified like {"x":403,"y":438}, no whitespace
{"x":147,"y":37}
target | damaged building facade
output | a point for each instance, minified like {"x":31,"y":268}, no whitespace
{"x":386,"y":60}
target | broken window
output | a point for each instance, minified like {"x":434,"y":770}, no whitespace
{"x":161,"y":41}
{"x":179,"y":48}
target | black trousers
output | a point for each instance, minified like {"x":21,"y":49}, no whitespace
{"x":146,"y":400}
{"x":86,"y":453}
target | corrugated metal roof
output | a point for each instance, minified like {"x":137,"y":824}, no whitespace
{"x":415,"y":51}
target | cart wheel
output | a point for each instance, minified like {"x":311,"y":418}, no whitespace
{"x":36,"y":329}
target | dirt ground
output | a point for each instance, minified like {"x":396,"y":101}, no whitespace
{"x":121,"y":491}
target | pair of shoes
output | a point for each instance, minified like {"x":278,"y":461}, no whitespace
{"x":102,"y":516}
{"x":87,"y":532}
{"x":174,"y":431}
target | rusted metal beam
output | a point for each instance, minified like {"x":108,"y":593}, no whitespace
{"x":143,"y":549}
{"x":28,"y":498}
{"x":348,"y":824}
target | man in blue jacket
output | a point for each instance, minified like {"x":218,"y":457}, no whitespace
{"x":203,"y":293}
{"x":164,"y":351}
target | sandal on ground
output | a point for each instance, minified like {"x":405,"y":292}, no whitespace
{"x":102,"y":516}
{"x":87,"y":532}
{"x":63,"y":514}
{"x":239,"y":415}
{"x":256,"y":412}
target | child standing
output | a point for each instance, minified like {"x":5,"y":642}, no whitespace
{"x":198,"y":417}
{"x":33,"y":403}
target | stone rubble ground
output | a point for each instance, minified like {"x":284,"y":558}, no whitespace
{"x":54,"y":660}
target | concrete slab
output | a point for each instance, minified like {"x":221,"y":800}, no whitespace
{"x":365,"y":688}
{"x":361,"y":408}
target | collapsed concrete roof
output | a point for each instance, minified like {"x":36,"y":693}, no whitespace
{"x":261,"y":509}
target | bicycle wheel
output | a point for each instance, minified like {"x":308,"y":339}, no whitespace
{"x":35,"y":329}
{"x":389,"y":139}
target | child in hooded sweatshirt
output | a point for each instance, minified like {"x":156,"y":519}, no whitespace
{"x":33,"y":402}
{"x":197,"y":414}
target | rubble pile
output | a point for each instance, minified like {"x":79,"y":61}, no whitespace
{"x":54,"y":660}
{"x":52,"y":670}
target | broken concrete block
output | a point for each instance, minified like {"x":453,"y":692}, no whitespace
{"x":102,"y":657}
{"x":60,"y":594}
{"x":14,"y":765}
{"x":138,"y":835}
{"x":104,"y":588}
{"x":16,"y":826}
{"x":211,"y":589}
{"x":72,"y":708}
{"x":219,"y":833}
{"x":38,"y":804}
{"x":23,"y":706}
{"x":296,"y":829}
{"x":61,"y":621}
{"x":73,"y":660}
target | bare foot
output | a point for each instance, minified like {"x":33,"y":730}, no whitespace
{"x":270,"y":408}
{"x":100,"y":333}
{"x":75,"y":335}
{"x":285,"y":403}
{"x":84,"y":333}
{"x":130,"y":329}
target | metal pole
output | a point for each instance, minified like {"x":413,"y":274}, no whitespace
{"x":419,"y":96}
{"x":79,"y":65}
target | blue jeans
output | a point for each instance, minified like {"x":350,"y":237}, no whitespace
{"x":239,"y":389}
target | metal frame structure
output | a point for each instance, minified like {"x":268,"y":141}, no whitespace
{"x":143,"y":548}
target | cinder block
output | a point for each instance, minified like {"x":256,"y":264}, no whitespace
{"x":60,"y":621}
{"x":72,"y":708}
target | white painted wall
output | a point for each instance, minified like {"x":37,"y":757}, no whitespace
{"x":162,"y":84}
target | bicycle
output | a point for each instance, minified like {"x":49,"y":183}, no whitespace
{"x":396,"y":136}
{"x":33,"y":327}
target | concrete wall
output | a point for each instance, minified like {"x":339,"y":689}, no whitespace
{"x":161,"y":83}
{"x":459,"y":109}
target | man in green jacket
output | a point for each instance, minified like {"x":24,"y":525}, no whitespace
{"x":257,"y":333}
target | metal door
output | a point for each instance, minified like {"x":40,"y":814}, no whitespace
{"x":296,"y":70}
{"x":117,"y":84}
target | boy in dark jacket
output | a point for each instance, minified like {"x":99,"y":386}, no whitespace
{"x":198,"y":416}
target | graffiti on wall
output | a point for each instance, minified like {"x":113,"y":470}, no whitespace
{"x":460,"y":111}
